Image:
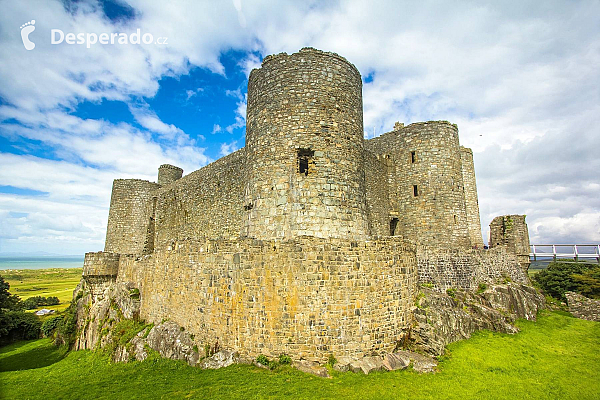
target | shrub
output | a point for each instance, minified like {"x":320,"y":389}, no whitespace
{"x":481,"y":288}
{"x":36,"y":301}
{"x":284,"y":359}
{"x":562,"y":277}
{"x":67,"y":327}
{"x":331,"y":360}
{"x":50,"y":325}
{"x":19,"y":325}
{"x":262,"y":359}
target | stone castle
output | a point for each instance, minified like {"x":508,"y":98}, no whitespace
{"x":310,"y":240}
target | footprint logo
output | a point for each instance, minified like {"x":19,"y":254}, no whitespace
{"x":26,"y":29}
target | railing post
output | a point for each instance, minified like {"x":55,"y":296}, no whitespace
{"x":576,"y":253}
{"x":534,"y":255}
{"x":554,"y":252}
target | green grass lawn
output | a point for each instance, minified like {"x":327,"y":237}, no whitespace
{"x":59,"y":282}
{"x":556,"y":358}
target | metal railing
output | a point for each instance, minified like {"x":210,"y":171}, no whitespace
{"x":575,"y":251}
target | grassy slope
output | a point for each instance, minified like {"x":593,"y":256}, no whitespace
{"x":59,"y":282}
{"x":556,"y":358}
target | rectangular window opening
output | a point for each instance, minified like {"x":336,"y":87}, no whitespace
{"x":304,"y":160}
{"x":393,"y":225}
{"x":415,"y":191}
{"x":413,"y":157}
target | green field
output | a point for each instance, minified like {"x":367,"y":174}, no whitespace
{"x":59,"y":282}
{"x":557,"y":357}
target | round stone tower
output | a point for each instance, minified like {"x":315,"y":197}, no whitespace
{"x":168,"y":173}
{"x":431,"y":191}
{"x":304,"y":140}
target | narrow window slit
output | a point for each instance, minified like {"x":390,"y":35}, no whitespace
{"x":304,"y":160}
{"x":393,"y":225}
{"x":415,"y":191}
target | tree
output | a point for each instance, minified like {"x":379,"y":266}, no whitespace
{"x":561,"y":277}
{"x":8,"y":301}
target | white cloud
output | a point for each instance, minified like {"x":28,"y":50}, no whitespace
{"x":216,"y":129}
{"x":228,"y":148}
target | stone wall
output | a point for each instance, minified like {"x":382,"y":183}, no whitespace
{"x":511,"y":232}
{"x":466,"y":269}
{"x":582,"y":307}
{"x":471,"y":201}
{"x":205,"y":203}
{"x":306,"y":297}
{"x":130,"y":218}
{"x":304,"y":142}
{"x":168,"y":174}
{"x":378,"y":198}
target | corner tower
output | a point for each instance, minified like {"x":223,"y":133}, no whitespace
{"x":304,"y":143}
{"x":431,"y":197}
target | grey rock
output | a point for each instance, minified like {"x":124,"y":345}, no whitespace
{"x":221,"y":359}
{"x":395,"y":361}
{"x":367,"y":365}
{"x":310,"y":367}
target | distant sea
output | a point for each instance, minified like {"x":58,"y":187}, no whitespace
{"x":40,"y":262}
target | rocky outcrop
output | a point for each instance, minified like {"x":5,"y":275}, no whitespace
{"x":167,"y":339}
{"x":442,"y":318}
{"x":389,"y":362}
{"x":95,"y":319}
{"x":582,"y":307}
{"x":103,"y":322}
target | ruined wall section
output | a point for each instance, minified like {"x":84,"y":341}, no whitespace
{"x":471,"y":199}
{"x":130,"y":216}
{"x":168,"y":174}
{"x":466,"y":269}
{"x":511,"y":232}
{"x":205,"y":203}
{"x":378,"y":198}
{"x":306,"y":297}
{"x":304,"y":141}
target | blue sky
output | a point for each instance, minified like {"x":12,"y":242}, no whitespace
{"x":519,"y":78}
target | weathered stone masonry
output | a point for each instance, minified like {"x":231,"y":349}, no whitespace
{"x":310,"y":240}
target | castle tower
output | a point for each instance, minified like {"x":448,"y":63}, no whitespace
{"x":130,"y":227}
{"x":304,"y":141}
{"x":430,"y":195}
{"x":168,"y":173}
{"x":471,"y":202}
{"x":511,"y":231}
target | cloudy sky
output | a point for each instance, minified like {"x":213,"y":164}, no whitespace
{"x":521,"y":79}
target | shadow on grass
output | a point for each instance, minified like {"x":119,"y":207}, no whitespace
{"x":39,"y":355}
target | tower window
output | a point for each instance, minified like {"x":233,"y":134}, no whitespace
{"x":393,"y":225}
{"x":304,"y":158}
{"x":413,"y":157}
{"x":415,"y":191}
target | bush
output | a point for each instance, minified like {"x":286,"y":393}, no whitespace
{"x":50,"y":325}
{"x":36,"y":301}
{"x":19,"y":325}
{"x":562,"y":277}
{"x":67,"y":327}
{"x":284,"y":359}
{"x":262,"y":359}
